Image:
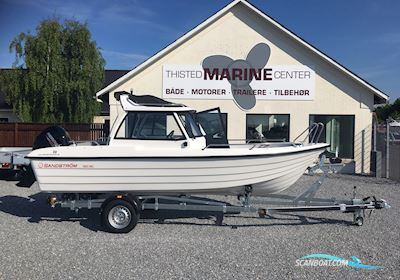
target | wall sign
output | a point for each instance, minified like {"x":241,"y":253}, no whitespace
{"x":243,"y":80}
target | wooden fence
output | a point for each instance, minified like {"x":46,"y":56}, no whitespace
{"x":24,"y":134}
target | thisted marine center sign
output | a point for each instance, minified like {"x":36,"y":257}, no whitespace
{"x":243,"y":80}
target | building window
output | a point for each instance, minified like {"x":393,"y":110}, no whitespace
{"x":224,"y":117}
{"x":338,"y":132}
{"x":3,"y":120}
{"x":273,"y":128}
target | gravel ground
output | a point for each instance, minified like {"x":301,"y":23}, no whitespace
{"x":37,"y":242}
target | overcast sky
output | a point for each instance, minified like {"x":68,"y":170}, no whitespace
{"x":363,"y":35}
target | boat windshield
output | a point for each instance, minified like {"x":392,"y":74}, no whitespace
{"x":214,"y":127}
{"x":190,"y":125}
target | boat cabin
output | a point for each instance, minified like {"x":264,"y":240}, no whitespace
{"x":151,"y":121}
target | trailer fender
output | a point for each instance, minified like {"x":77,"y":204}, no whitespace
{"x":127,"y":197}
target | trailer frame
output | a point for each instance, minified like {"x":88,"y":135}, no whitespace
{"x":264,"y":206}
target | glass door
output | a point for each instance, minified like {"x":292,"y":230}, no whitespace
{"x":214,"y":126}
{"x":338,"y":133}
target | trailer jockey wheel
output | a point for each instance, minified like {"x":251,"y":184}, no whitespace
{"x":219,"y":219}
{"x":359,"y":221}
{"x":119,"y":216}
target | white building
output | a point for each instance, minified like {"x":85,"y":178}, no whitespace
{"x":265,"y":78}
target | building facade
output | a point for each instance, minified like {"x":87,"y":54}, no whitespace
{"x":268,"y":81}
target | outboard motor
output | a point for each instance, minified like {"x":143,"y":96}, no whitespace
{"x":52,"y":136}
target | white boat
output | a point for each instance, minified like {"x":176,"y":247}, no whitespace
{"x":157,"y":147}
{"x":394,"y":123}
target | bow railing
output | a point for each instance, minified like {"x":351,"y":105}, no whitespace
{"x":314,"y":133}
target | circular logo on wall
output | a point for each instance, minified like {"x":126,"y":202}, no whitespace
{"x":237,"y":72}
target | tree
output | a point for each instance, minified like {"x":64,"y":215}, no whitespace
{"x":389,"y":111}
{"x":55,"y":74}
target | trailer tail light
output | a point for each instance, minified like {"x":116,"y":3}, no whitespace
{"x":6,"y":165}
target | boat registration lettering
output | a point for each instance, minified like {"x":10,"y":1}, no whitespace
{"x":57,"y":165}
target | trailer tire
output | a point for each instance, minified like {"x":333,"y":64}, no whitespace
{"x":359,"y":221}
{"x":119,"y":216}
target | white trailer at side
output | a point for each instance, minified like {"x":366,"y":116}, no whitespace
{"x":13,"y":158}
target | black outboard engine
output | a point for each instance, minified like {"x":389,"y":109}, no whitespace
{"x":52,"y":136}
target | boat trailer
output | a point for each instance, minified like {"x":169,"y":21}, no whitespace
{"x":120,"y":211}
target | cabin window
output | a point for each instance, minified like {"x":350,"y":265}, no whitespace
{"x":3,"y":120}
{"x":190,"y":125}
{"x":268,"y":128}
{"x":150,"y":126}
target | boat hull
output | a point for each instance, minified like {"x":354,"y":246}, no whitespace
{"x":267,"y":174}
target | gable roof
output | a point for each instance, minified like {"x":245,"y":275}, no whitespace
{"x":109,"y":77}
{"x":112,"y":75}
{"x":378,"y":93}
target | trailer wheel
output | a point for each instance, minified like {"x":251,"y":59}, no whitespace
{"x":119,"y":216}
{"x":359,"y":221}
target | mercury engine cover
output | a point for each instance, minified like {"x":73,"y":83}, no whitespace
{"x":52,"y":136}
